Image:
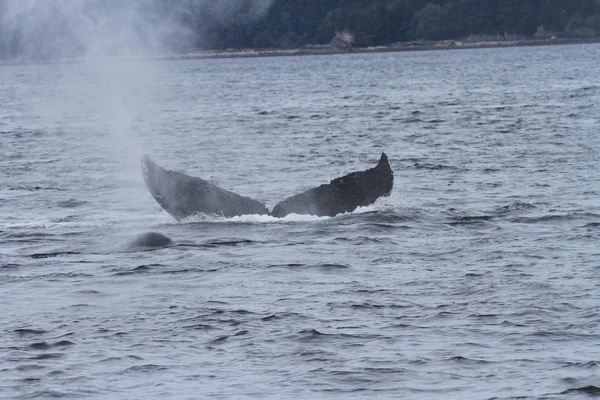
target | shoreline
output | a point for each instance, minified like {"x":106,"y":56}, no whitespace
{"x":393,"y":48}
{"x":197,"y":54}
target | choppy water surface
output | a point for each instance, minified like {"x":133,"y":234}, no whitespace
{"x":478,"y":278}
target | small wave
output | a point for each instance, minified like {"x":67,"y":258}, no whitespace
{"x":554,"y":218}
{"x":474,"y":275}
{"x":378,"y":226}
{"x":282,"y":315}
{"x":44,"y":394}
{"x":466,"y":219}
{"x":53,"y":254}
{"x":518,"y":206}
{"x":55,"y":276}
{"x":28,"y":235}
{"x":585,"y":91}
{"x":30,"y":380}
{"x":465,"y":360}
{"x":412,"y":120}
{"x":469,"y":220}
{"x":140,"y":269}
{"x":331,"y":266}
{"x":179,"y":271}
{"x":311,"y":332}
{"x":202,"y":327}
{"x":29,"y":331}
{"x":29,"y":367}
{"x":144,"y":368}
{"x":220,"y":339}
{"x":68,"y":218}
{"x":36,"y":188}
{"x":224,"y":338}
{"x":88,"y":291}
{"x":308,"y":335}
{"x":48,"y":356}
{"x":229,"y":242}
{"x":324,"y":266}
{"x":365,"y":240}
{"x":387,"y":215}
{"x":585,"y":365}
{"x":46,"y":345}
{"x":434,"y":167}
{"x":71,"y":203}
{"x":129,"y":357}
{"x":10,"y":266}
{"x":241,"y":312}
{"x":371,"y":306}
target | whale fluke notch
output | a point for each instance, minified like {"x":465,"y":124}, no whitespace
{"x":341,"y":195}
{"x":182,"y":195}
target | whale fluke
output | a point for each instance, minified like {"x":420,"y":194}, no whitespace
{"x":182,"y":195}
{"x":343,"y":194}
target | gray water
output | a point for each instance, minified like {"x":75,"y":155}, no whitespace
{"x":477,"y":278}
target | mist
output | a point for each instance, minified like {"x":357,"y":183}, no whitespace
{"x":107,"y":79}
{"x":66,"y":29}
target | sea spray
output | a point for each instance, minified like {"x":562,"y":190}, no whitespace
{"x":101,"y":76}
{"x":103,"y":59}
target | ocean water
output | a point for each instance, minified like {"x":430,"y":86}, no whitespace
{"x":478,"y":278}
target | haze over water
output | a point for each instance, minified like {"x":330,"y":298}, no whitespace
{"x":477,"y":278}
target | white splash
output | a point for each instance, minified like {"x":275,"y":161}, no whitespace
{"x":253,"y":218}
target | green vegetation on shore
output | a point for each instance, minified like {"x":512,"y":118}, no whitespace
{"x":292,"y":24}
{"x":55,"y":30}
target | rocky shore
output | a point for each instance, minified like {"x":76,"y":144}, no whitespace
{"x":396,"y":47}
{"x":329,"y":49}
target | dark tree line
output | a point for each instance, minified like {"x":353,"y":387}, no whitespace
{"x":157,"y":25}
{"x":290,"y":23}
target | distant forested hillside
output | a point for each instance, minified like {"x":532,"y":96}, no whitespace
{"x":54,"y":29}
{"x":59,"y":29}
{"x":291,"y":23}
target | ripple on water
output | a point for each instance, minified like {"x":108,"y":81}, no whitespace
{"x":72,"y":203}
{"x":29,"y":331}
{"x":480,"y":267}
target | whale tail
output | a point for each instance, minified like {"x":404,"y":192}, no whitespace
{"x":182,"y":195}
{"x":341,"y":195}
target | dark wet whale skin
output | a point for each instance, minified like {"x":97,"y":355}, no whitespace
{"x":182,"y":195}
{"x":149,"y":240}
{"x":343,"y":194}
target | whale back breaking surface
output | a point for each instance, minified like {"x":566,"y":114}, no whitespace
{"x":149,"y":240}
{"x":182,"y":195}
